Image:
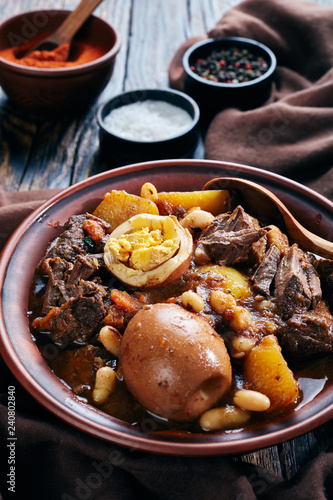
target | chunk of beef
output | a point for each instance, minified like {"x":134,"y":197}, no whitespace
{"x":264,"y":275}
{"x":308,"y":334}
{"x":297,"y":285}
{"x":84,"y":267}
{"x":77,"y":367}
{"x":75,"y":321}
{"x":313,"y":279}
{"x":234,"y":221}
{"x":219,"y":224}
{"x":86,"y":288}
{"x":234,"y":238}
{"x":72,"y":241}
{"x":65,"y":279}
{"x":324,"y":268}
{"x":55,"y":269}
{"x":123,"y":307}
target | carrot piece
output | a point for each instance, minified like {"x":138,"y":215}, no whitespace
{"x":125,"y":301}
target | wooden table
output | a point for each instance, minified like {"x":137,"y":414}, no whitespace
{"x":37,"y":153}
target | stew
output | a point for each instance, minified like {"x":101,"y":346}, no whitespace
{"x":252,"y":301}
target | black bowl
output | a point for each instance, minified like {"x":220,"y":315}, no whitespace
{"x":214,"y":96}
{"x":122,"y":151}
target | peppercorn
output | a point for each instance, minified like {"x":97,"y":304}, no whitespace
{"x":230,"y":66}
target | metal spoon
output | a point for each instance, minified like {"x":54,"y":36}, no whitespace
{"x":65,"y":32}
{"x":259,"y":202}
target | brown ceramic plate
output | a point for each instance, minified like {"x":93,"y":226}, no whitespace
{"x":26,"y":247}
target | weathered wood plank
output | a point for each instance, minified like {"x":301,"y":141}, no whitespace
{"x":267,"y":458}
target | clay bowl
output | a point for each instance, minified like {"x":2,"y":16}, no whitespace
{"x":27,"y":246}
{"x":213,"y":96}
{"x":55,"y":91}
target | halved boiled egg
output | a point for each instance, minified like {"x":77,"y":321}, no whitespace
{"x":148,"y":250}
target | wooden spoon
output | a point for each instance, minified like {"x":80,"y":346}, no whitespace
{"x":65,"y":32}
{"x":260,"y":202}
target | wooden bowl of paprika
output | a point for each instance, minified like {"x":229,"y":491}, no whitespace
{"x":45,"y":82}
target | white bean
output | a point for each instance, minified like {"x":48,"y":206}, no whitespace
{"x":149,"y":191}
{"x":227,"y":417}
{"x":111,"y":339}
{"x":251,"y":400}
{"x":221,"y":301}
{"x":238,"y":317}
{"x":105,"y":384}
{"x":242,"y":345}
{"x":192,"y":301}
{"x":197,"y":219}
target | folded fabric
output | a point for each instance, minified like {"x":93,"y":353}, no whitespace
{"x":15,"y":207}
{"x":292,"y":132}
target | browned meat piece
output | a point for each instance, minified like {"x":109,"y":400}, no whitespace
{"x":66,"y":280}
{"x":85,"y":288}
{"x":218,"y":224}
{"x":263,"y":277}
{"x":234,"y":238}
{"x":308,"y":334}
{"x":72,"y":241}
{"x":116,"y":317}
{"x":234,"y":221}
{"x":75,"y":321}
{"x":55,"y":270}
{"x":78,"y":367}
{"x":313,"y":279}
{"x":324,"y":268}
{"x":297,"y":285}
{"x":124,"y":306}
{"x":84,"y":267}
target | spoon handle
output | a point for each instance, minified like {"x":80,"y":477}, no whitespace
{"x":299,"y":234}
{"x":74,"y":21}
{"x":307,"y":240}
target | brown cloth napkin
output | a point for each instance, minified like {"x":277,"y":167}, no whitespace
{"x":292,"y":133}
{"x":54,"y":461}
{"x":15,"y":207}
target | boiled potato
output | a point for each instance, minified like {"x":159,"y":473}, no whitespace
{"x":235,"y":280}
{"x":118,"y":206}
{"x":267,"y":372}
{"x":214,"y":201}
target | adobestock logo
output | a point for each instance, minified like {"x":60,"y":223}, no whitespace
{"x":31,"y":27}
{"x":254,"y":144}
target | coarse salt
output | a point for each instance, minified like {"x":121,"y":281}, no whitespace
{"x":148,"y":121}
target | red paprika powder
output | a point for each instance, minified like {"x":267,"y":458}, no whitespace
{"x":81,"y":52}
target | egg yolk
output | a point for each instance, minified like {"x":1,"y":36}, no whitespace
{"x":148,"y":244}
